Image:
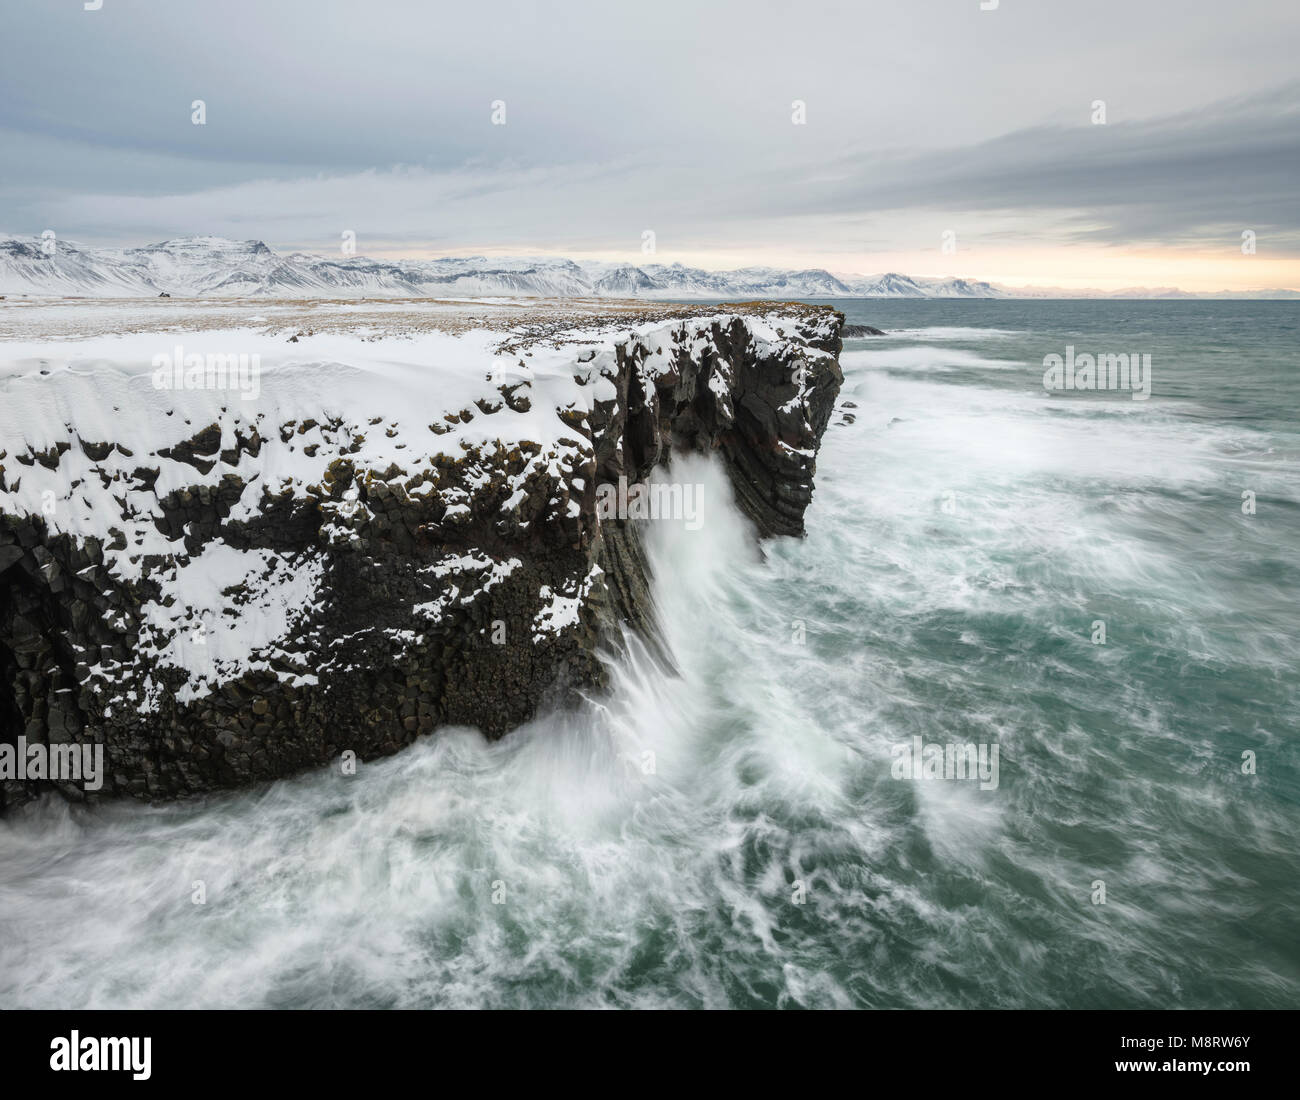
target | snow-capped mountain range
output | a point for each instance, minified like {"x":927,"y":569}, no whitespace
{"x":214,"y":266}
{"x":217,"y":267}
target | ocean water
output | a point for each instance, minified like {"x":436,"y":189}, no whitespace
{"x":740,"y":832}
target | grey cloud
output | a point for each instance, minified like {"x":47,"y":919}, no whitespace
{"x":375,"y":116}
{"x":1168,"y":180}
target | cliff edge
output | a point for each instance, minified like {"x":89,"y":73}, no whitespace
{"x":229,"y":553}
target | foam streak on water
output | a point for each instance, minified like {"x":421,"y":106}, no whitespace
{"x":650,"y":847}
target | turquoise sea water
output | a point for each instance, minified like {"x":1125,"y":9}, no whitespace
{"x":735,"y":834}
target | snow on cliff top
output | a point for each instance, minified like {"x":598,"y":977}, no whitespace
{"x":99,"y":427}
{"x":386,"y":381}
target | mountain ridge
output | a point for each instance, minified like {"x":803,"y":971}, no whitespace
{"x":206,"y":266}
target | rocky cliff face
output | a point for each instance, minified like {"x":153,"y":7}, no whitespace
{"x":222,"y":586}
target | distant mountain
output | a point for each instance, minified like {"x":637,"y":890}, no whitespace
{"x":216,"y":267}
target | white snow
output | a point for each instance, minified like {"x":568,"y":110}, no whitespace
{"x":372,"y":398}
{"x":213,"y":266}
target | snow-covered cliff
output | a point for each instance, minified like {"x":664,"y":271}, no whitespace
{"x":231,"y":552}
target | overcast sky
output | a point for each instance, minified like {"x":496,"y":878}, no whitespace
{"x":922,"y":118}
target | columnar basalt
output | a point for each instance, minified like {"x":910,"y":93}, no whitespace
{"x":222,"y":591}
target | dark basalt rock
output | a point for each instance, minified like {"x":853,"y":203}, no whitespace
{"x":360,"y":672}
{"x":850,"y":332}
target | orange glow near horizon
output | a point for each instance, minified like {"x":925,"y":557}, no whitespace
{"x":1072,"y":267}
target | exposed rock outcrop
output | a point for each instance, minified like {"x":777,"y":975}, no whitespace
{"x":223,"y":591}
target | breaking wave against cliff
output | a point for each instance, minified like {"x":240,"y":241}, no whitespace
{"x":562,"y":864}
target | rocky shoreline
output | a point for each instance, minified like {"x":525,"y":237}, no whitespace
{"x":224,"y":591}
